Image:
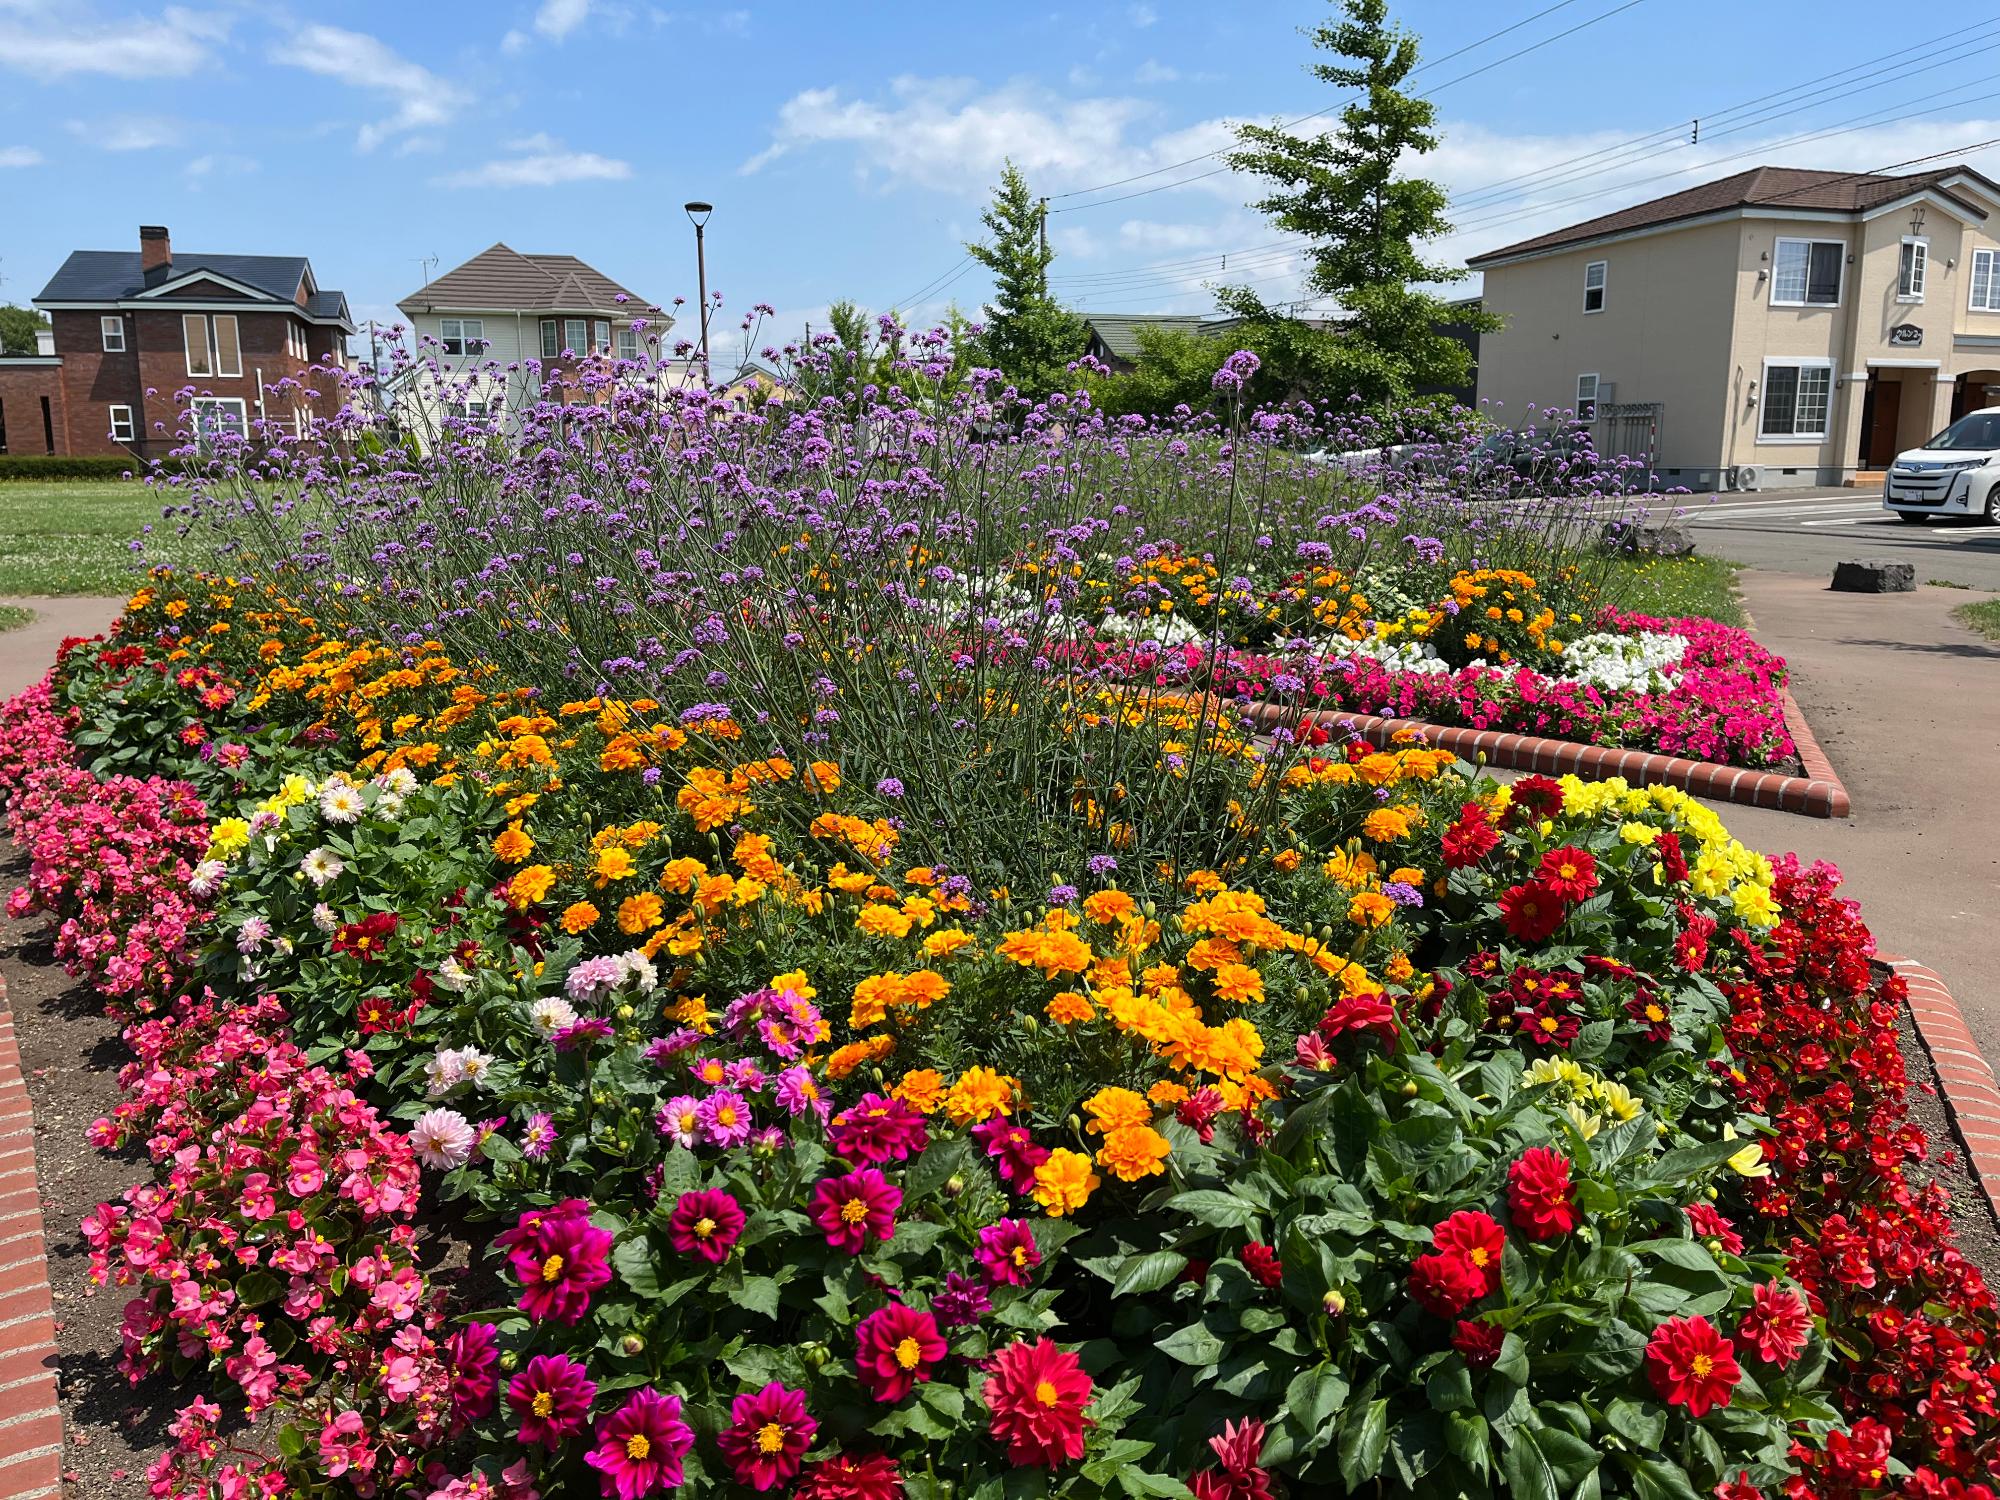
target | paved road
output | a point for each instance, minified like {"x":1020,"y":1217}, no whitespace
{"x":26,"y":653}
{"x":1808,"y":531}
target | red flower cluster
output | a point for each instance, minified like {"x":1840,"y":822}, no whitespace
{"x":1540,"y":1199}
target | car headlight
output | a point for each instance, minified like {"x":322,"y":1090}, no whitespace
{"x":1961,"y":465}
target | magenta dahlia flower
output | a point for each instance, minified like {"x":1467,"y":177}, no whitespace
{"x":640,"y":1446}
{"x":705,"y":1223}
{"x":552,"y":1398}
{"x":767,"y":1437}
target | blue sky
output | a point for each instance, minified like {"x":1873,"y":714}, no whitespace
{"x":848,"y":148}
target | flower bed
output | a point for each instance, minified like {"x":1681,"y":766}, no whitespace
{"x":1431,"y":1135}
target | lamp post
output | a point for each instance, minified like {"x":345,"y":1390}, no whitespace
{"x":698,"y":216}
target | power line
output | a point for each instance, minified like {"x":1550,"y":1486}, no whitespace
{"x":932,"y":285}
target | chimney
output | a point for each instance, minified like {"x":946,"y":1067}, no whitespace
{"x":156,"y":253}
{"x":45,"y":341}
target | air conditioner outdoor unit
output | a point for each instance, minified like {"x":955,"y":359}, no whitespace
{"x":1746,"y":477}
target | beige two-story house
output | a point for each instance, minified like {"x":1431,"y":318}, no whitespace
{"x":1778,"y":327}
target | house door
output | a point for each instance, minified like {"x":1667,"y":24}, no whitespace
{"x":1888,"y":409}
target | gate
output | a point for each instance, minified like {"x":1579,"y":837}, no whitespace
{"x":1630,"y":430}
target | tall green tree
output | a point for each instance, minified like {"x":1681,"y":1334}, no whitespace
{"x":1028,"y":334}
{"x":1367,"y":224}
{"x":18,"y":327}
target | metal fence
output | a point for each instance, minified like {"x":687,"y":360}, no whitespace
{"x":1628,"y":429}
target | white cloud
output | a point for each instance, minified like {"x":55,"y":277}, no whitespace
{"x":20,"y":156}
{"x":46,"y":39}
{"x":513,"y":42}
{"x":556,"y":19}
{"x":1153,"y":71}
{"x":540,"y":161}
{"x":217,"y":164}
{"x":128,"y":132}
{"x":1141,"y":16}
{"x":422,"y":99}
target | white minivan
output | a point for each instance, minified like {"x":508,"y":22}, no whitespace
{"x":1956,"y":473}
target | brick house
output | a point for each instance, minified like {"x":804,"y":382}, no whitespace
{"x":250,"y":335}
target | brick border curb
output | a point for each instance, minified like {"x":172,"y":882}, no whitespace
{"x":31,"y":1424}
{"x":1818,"y":794}
{"x":1966,"y":1080}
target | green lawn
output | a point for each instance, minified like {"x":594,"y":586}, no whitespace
{"x":1693,"y":585}
{"x":1982,"y":616}
{"x":73,"y":537}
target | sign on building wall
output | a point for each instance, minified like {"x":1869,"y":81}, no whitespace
{"x":1906,"y":336}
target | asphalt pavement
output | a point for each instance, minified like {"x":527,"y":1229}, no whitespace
{"x":1807,"y":531}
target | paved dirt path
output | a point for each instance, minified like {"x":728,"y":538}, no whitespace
{"x":28,"y":652}
{"x":1906,"y":704}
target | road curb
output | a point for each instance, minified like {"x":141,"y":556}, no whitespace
{"x":1818,"y":794}
{"x":1965,"y":1079}
{"x":31,"y":1425}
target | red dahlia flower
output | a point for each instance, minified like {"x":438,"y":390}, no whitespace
{"x":1691,"y":1365}
{"x":639,"y":1449}
{"x":552,"y":1398}
{"x":1445,"y":1283}
{"x":368,"y":938}
{"x":1776,"y":1324}
{"x":1471,"y":838}
{"x":1478,"y":1343}
{"x":877,"y":1129}
{"x":1262,"y":1262}
{"x":1037,"y":1393}
{"x":894,"y":1350}
{"x":560,"y":1258}
{"x":1531,"y":912}
{"x":1371,"y":1014}
{"x":848,"y":1476}
{"x":767,"y":1436}
{"x":849,"y":1209}
{"x":1570,"y":872}
{"x":1537,"y":797}
{"x":1539,"y":1197}
{"x":1476,"y":1236}
{"x":1238,"y":1476}
{"x":1710,"y":1224}
{"x":705,"y":1223}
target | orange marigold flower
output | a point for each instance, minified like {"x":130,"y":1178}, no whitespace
{"x":922,"y":1089}
{"x":639,"y":913}
{"x":578,"y":916}
{"x":1370,"y":909}
{"x":1064,"y":1182}
{"x":611,"y":864}
{"x":1114,"y":1109}
{"x":1108,"y":906}
{"x":1239,"y":983}
{"x":979,"y":1095}
{"x":513,"y":844}
{"x":1132,"y":1152}
{"x":883,"y":921}
{"x":1069,"y":1007}
{"x":1166,"y":1093}
{"x":528,"y":885}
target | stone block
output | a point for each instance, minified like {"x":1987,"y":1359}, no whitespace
{"x":1665,"y":540}
{"x":1875,"y":576}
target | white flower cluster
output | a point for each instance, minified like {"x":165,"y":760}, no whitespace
{"x":1624,"y":663}
{"x":1163,"y":630}
{"x":453,"y":1066}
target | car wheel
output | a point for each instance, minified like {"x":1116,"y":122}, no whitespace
{"x":1911,"y":517}
{"x":1993,"y":506}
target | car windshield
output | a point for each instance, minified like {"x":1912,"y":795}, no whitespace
{"x":1979,"y":430}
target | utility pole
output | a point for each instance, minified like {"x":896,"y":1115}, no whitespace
{"x":1045,"y":247}
{"x":698,"y":216}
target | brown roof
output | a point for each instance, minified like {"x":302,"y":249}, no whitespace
{"x":502,"y":278}
{"x":1760,"y":187}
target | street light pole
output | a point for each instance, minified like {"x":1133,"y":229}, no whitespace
{"x":698,"y":215}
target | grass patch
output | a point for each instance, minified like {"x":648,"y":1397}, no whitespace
{"x":1704,"y":587}
{"x":13,"y":617}
{"x":73,"y":537}
{"x":1982,"y":616}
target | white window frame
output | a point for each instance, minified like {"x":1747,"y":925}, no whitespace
{"x":111,"y":333}
{"x":581,"y":343}
{"x":1603,"y":287}
{"x":1590,"y":400}
{"x":551,"y":338}
{"x":194,"y":343}
{"x":629,"y":344}
{"x":1801,"y":363}
{"x":600,"y":336}
{"x":122,"y":430}
{"x":1840,"y":263}
{"x":233,"y":350}
{"x":1913,"y":263}
{"x":470,"y":335}
{"x":1992,"y":302}
{"x":201,"y":403}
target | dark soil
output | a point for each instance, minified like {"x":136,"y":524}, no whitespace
{"x":1974,"y":1225}
{"x":70,"y":1055}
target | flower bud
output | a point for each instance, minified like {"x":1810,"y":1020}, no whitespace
{"x":815,"y":1355}
{"x":954,"y":1185}
{"x":626,"y":1012}
{"x":1409,"y":1088}
{"x":632,"y":1344}
{"x":509,"y":1359}
{"x":1333,"y":1304}
{"x":1030,"y":1025}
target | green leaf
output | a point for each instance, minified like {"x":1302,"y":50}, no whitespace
{"x":258,"y":1288}
{"x":1544,"y":1463}
{"x":1215,"y":1209}
{"x":1418,"y":1445}
{"x":291,"y":1442}
{"x":1136,"y":1481}
{"x":633,"y":1260}
{"x":1656,"y":1478}
{"x":1689,"y":1255}
{"x":760,"y":1295}
{"x":1192,"y":1345}
{"x":1641,"y":1426}
{"x":1364,"y":1439}
{"x":1148,"y":1272}
{"x":1450,"y":1387}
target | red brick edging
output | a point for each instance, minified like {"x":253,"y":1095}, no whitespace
{"x":1965,"y":1078}
{"x":1817,"y":794}
{"x":31,"y":1427}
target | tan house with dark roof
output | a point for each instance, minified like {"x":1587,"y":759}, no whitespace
{"x":505,"y":322}
{"x":1778,"y":327}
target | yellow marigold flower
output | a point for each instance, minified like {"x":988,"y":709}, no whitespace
{"x":1399,"y":968}
{"x":1203,"y":882}
{"x":1064,"y":1182}
{"x":1370,"y":909}
{"x":1166,"y":1093}
{"x":921,"y":910}
{"x":1287,"y":860}
{"x":1239,"y":983}
{"x":513,"y":844}
{"x":979,"y":1095}
{"x":611,"y":864}
{"x":1132,"y":1152}
{"x":1108,"y":906}
{"x":1213,"y":953}
{"x":578,"y":916}
{"x":1114,"y":1108}
{"x":680,"y":874}
{"x":639,"y":913}
{"x":1069,"y":1008}
{"x":528,"y":885}
{"x":796,"y":982}
{"x":922,"y":1089}
{"x":883,"y":921}
{"x":1385,"y":825}
{"x":947,"y":942}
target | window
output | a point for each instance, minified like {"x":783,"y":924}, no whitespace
{"x":216,"y":416}
{"x":1986,"y":281}
{"x":121,"y":424}
{"x":1593,"y":286}
{"x":296,"y":345}
{"x":228,"y":352}
{"x":602,"y":341}
{"x":472,"y":411}
{"x":113,"y":331}
{"x":1586,"y":398}
{"x":551,"y":339}
{"x":628,"y":343}
{"x":1910,"y":276}
{"x":1806,"y":273}
{"x":1795,"y":399}
{"x":576,"y":335}
{"x":194,"y":334}
{"x":463,"y":335}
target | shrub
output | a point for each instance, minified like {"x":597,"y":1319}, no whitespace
{"x":59,"y":466}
